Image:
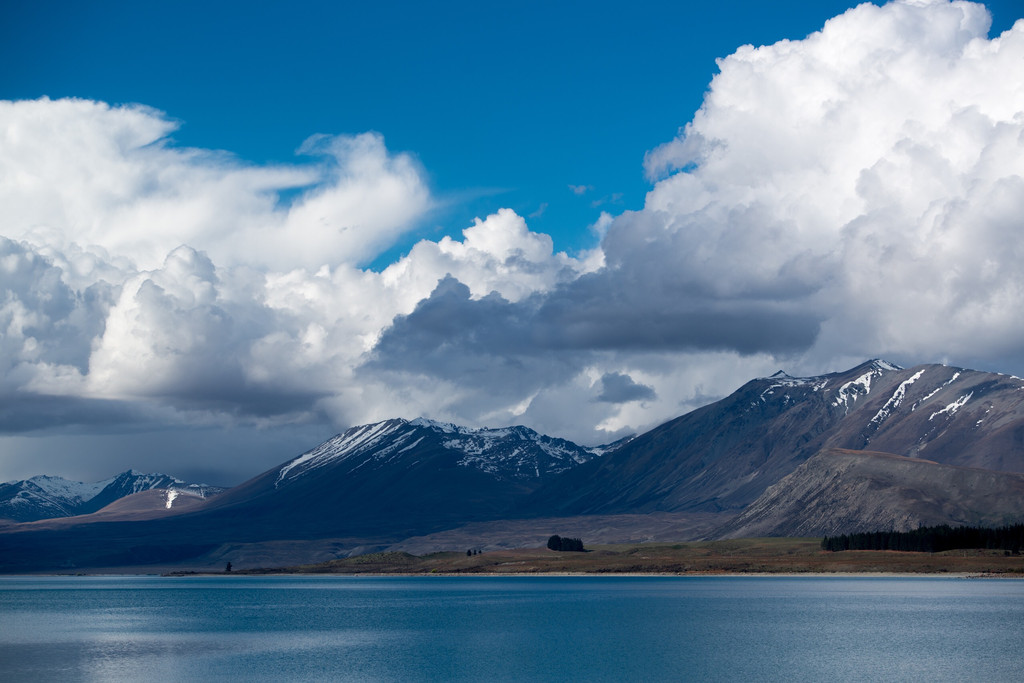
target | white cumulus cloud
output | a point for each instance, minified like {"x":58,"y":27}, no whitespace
{"x":139,"y":271}
{"x":83,"y":173}
{"x":872,"y":170}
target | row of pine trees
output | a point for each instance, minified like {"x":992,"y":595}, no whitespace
{"x":932,"y":539}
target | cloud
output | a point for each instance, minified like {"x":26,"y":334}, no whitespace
{"x":498,"y":253}
{"x":619,"y":388}
{"x":869,"y":173}
{"x":178,"y":282}
{"x":45,"y":326}
{"x":481,"y":354}
{"x":77,"y":172}
{"x":369,"y":199}
{"x":853,"y":194}
{"x":614,"y":198}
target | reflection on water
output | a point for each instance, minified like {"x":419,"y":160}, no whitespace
{"x":515,"y":628}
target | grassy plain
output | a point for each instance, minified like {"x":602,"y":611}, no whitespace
{"x":744,"y":556}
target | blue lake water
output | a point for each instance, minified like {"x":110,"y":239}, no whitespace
{"x":515,"y":628}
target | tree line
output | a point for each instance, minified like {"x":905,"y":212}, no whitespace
{"x":931,"y":539}
{"x":557,"y":542}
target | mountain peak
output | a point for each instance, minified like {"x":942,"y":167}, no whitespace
{"x":446,"y":427}
{"x":881,"y":365}
{"x":515,"y":452}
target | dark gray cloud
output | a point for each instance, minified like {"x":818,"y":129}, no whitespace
{"x":222,"y":456}
{"x":493,"y":353}
{"x":26,"y":412}
{"x":619,"y":388}
{"x":634,"y":308}
{"x":490,"y":347}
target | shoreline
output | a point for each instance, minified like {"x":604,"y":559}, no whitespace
{"x":782,"y":557}
{"x":493,"y":574}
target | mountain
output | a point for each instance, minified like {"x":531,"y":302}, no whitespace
{"x":723,"y":456}
{"x":877,"y":445}
{"x":45,"y":497}
{"x":512,"y":453}
{"x":144,"y":505}
{"x":401,"y":477}
{"x":368,"y":487}
{"x":841,"y":491}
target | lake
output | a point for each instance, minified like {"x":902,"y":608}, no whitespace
{"x":547,"y":628}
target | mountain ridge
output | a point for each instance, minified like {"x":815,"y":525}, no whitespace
{"x":48,"y":497}
{"x":722,"y":456}
{"x":516,"y":452}
{"x":754,"y":461}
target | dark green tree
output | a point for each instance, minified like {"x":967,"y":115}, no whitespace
{"x":564,"y":543}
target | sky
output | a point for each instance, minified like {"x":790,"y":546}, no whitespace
{"x":231,"y":230}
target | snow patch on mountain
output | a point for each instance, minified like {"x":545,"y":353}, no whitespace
{"x":446,"y":427}
{"x":850,"y":391}
{"x":853,"y":390}
{"x":598,"y":451}
{"x":355,"y":441}
{"x":413,"y":445}
{"x":847,"y":392}
{"x":932,"y":393}
{"x":953,"y":407}
{"x":896,"y":399}
{"x":64,"y":489}
{"x":517,"y":450}
{"x":781,"y":380}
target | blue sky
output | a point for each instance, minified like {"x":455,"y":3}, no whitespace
{"x":233,"y":229}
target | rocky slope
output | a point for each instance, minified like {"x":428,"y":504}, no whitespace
{"x":843,"y":491}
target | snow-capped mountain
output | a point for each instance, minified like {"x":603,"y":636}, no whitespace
{"x":876,"y":444}
{"x":400,"y":476}
{"x":46,"y":497}
{"x":374,"y":483}
{"x":509,"y":453}
{"x":950,"y":415}
{"x":725,"y":455}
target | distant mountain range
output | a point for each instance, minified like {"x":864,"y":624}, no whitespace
{"x":45,"y":497}
{"x":876,"y":446}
